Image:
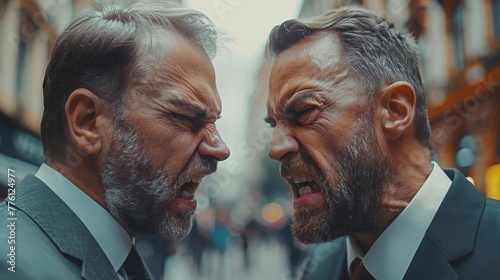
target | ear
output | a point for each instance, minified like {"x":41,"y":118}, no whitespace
{"x":86,"y":115}
{"x":398,"y":104}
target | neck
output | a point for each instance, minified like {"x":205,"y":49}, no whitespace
{"x":407,"y":174}
{"x":84,"y":176}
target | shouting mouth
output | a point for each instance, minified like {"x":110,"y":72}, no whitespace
{"x":188,"y":189}
{"x":305,"y":189}
{"x":185,"y":198}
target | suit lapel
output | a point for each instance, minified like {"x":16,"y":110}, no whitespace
{"x":65,"y":229}
{"x":452,"y":232}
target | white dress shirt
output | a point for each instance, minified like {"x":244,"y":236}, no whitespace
{"x":391,"y":254}
{"x":107,"y":231}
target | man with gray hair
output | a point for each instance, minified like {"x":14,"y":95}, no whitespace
{"x":129,"y":132}
{"x":351,"y":132}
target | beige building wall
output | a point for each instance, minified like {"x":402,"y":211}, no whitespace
{"x":8,"y":60}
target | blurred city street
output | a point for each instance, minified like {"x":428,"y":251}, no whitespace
{"x":267,"y":260}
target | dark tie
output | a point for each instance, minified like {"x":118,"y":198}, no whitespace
{"x":359,"y":271}
{"x":133,"y":268}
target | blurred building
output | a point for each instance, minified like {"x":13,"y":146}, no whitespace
{"x":28,"y":29}
{"x":459,"y":41}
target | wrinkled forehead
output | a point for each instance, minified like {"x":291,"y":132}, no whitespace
{"x":314,"y":58}
{"x":181,"y":69}
{"x":323,"y":49}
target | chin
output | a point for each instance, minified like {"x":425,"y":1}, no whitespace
{"x":310,"y":226}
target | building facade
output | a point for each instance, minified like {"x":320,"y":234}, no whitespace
{"x":28,"y":29}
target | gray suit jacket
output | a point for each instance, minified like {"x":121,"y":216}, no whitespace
{"x":50,"y":240}
{"x":462,"y":242}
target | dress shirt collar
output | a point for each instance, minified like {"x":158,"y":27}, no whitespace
{"x":108,"y":232}
{"x":391,"y":254}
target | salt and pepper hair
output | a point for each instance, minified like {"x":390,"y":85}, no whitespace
{"x":105,"y":52}
{"x":375,"y":52}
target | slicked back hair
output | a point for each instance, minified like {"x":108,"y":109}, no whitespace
{"x":103,"y":51}
{"x":375,"y":52}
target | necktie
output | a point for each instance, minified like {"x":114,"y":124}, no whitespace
{"x":360,"y":272}
{"x":133,"y":268}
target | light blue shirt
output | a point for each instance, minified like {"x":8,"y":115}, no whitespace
{"x":107,"y":231}
{"x":391,"y":254}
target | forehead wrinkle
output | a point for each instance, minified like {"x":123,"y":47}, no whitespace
{"x":320,"y":56}
{"x":199,"y":90}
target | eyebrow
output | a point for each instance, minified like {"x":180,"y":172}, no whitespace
{"x":290,"y":108}
{"x":199,"y":113}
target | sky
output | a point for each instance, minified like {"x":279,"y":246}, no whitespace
{"x":247,"y":22}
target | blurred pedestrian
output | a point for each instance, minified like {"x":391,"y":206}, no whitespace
{"x":293,"y":249}
{"x":196,"y":243}
{"x":155,"y":252}
{"x":220,"y":239}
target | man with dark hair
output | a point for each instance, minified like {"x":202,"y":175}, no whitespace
{"x":351,"y":132}
{"x":128,"y":131}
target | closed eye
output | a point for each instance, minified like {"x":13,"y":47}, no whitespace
{"x":270,"y":121}
{"x":194,"y":122}
{"x":306,"y":110}
{"x":301,"y":116}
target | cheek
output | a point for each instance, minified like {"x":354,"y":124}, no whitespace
{"x":172,"y":149}
{"x":320,"y":142}
{"x":321,"y":148}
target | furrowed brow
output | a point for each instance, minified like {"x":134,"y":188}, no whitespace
{"x":290,"y":107}
{"x":198,"y":112}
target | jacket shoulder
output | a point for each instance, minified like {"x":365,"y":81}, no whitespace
{"x":30,"y":252}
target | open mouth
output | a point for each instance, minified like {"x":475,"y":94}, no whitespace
{"x":188,"y":189}
{"x":303,"y":185}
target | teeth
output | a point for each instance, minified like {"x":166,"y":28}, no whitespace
{"x":186,"y":195}
{"x":303,"y":178}
{"x":197,"y":178}
{"x":305,"y":190}
{"x":300,"y":179}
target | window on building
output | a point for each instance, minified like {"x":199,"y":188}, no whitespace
{"x":21,"y":69}
{"x":457,"y":35}
{"x":27,"y":32}
{"x":475,"y":29}
{"x":498,"y":145}
{"x":495,"y":12}
{"x":2,"y":17}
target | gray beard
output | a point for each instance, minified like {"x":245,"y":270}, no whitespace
{"x":353,"y":203}
{"x":137,"y":194}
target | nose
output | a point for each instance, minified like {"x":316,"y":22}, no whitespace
{"x":283,"y":146}
{"x":213,"y":145}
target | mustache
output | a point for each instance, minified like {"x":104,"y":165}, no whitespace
{"x":204,"y":164}
{"x":198,"y":165}
{"x":286,"y":169}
